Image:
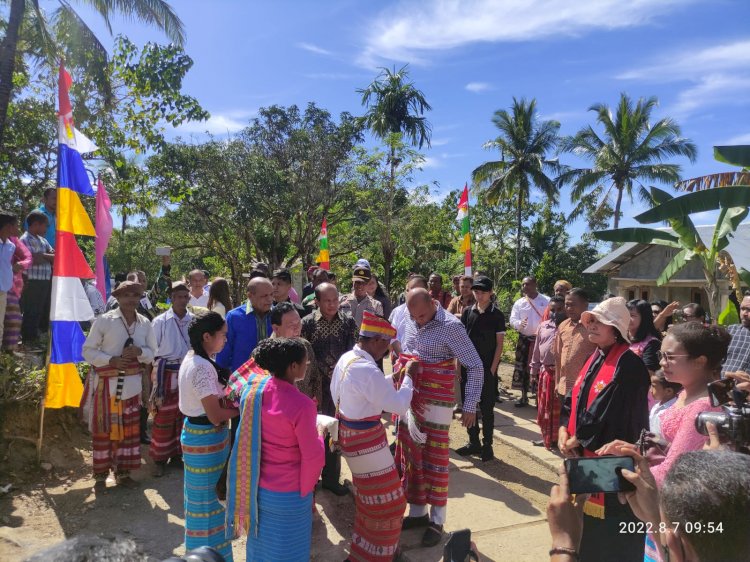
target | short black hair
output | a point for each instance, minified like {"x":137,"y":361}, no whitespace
{"x":696,"y":310}
{"x":6,"y":217}
{"x":420,"y":279}
{"x":276,"y":354}
{"x":557,"y":299}
{"x":258,"y":273}
{"x":278,"y":312}
{"x":49,"y":191}
{"x":710,"y":486}
{"x":662,"y":380}
{"x":699,"y":340}
{"x":282,"y":274}
{"x":580,"y":293}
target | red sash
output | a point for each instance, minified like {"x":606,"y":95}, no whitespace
{"x":594,"y":506}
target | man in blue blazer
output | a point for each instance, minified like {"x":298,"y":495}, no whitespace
{"x":247,"y":324}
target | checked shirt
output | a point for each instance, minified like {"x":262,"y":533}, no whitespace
{"x":738,"y":356}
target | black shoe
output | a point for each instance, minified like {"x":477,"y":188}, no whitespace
{"x":414,"y":522}
{"x":521,"y":403}
{"x":469,"y":449}
{"x":538,"y":443}
{"x":336,"y":488}
{"x":487,"y":453}
{"x":432,"y":535}
{"x":498,"y":400}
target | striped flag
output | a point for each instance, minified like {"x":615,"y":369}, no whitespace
{"x":103,"y":234}
{"x":324,"y":258}
{"x":463,"y":217}
{"x":69,"y":304}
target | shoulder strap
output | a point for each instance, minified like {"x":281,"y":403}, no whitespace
{"x":344,"y":373}
{"x":534,"y":307}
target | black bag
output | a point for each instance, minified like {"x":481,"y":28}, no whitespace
{"x":458,"y":547}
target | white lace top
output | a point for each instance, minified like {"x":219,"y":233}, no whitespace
{"x":197,"y":379}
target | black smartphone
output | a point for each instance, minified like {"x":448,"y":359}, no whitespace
{"x":720,"y":392}
{"x":589,"y":475}
{"x":458,"y":547}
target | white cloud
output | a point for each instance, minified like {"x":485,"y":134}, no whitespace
{"x":439,"y":142}
{"x":412,"y":29}
{"x":219,"y":123}
{"x":431,"y":162}
{"x":717,"y":74}
{"x":477,"y":87}
{"x":314,"y":49}
{"x":737,"y":139}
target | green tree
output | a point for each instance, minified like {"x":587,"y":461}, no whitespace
{"x":630,"y":150}
{"x":394,"y":107}
{"x":68,"y":27}
{"x":524,"y":142}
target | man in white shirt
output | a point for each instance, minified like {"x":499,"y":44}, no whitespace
{"x":401,"y":313}
{"x":198,"y":294}
{"x":361,"y":393}
{"x":119,"y":346}
{"x":525,"y":317}
{"x":173,"y":343}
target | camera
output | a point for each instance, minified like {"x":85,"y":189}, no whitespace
{"x":733,"y":423}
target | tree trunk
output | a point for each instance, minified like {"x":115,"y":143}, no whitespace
{"x":518,"y":229}
{"x":620,"y":188}
{"x":8,"y":59}
{"x":714,"y":294}
{"x":388,"y":245}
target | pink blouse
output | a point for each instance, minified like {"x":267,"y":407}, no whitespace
{"x":292,"y":453}
{"x":678,"y":428}
{"x":23,"y":257}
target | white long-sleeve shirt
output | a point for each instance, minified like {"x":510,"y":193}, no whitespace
{"x":107,"y":339}
{"x":172,"y":340}
{"x":523,"y":309}
{"x":398,"y":317}
{"x":364,"y":391}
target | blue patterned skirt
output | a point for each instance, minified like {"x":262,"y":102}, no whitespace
{"x":284,"y":528}
{"x":205,"y":449}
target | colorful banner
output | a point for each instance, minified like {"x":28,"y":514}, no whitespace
{"x":104,"y":228}
{"x":463,"y":217}
{"x":69,"y":304}
{"x":324,"y":257}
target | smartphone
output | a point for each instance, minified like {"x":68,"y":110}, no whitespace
{"x":589,"y":475}
{"x":163,"y":251}
{"x":458,"y":547}
{"x":720,"y":392}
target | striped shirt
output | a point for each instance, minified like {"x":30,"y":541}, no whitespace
{"x":38,"y":245}
{"x":444,"y":338}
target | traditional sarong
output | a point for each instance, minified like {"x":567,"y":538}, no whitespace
{"x":238,"y":380}
{"x":12,"y":322}
{"x":114,"y":424}
{"x":204,"y":451}
{"x":165,"y":432}
{"x":379,"y":497}
{"x":548,"y":413}
{"x":422,"y":442}
{"x":521,"y":369}
{"x":284,"y":528}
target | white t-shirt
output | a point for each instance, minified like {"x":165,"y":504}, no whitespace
{"x":201,"y":301}
{"x":197,"y":379}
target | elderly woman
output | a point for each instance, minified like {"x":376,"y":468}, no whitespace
{"x":607,"y":402}
{"x":276,"y":458}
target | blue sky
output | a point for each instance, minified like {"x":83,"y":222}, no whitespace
{"x":470,"y":58}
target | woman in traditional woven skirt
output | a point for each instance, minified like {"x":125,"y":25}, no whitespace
{"x":277,"y":457}
{"x":362,"y":392}
{"x":205,"y":437}
{"x":21,"y":261}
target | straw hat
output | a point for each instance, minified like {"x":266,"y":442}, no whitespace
{"x":611,"y":312}
{"x":127,"y":287}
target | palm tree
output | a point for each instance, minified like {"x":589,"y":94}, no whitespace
{"x":66,"y":21}
{"x":524,"y":143}
{"x":394,"y":106}
{"x":631,"y":150}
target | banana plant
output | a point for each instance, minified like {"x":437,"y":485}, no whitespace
{"x":732,"y":204}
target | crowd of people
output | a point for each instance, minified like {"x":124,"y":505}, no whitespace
{"x":257,"y":403}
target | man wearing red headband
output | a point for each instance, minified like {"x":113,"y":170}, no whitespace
{"x":361,"y":393}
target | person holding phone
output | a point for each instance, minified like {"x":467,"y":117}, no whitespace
{"x":119,"y":346}
{"x":607,"y":402}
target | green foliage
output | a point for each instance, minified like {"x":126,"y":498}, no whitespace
{"x":20,"y":381}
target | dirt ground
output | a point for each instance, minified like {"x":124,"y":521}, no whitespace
{"x":45,"y":505}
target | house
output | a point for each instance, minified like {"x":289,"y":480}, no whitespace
{"x":632,"y":270}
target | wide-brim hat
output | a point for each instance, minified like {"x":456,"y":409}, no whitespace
{"x":179,"y":286}
{"x":611,"y":312}
{"x":127,"y":287}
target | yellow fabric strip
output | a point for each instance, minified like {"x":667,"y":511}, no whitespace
{"x":465,"y":243}
{"x":64,"y":387}
{"x":323,"y":256}
{"x":71,"y":216}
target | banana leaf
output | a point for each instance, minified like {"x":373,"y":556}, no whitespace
{"x":744,"y":275}
{"x":729,"y":315}
{"x":683,"y":226}
{"x":673,"y":268}
{"x":738,"y":155}
{"x":711,"y":181}
{"x":698,"y":202}
{"x":639,"y":235}
{"x":727,"y":225}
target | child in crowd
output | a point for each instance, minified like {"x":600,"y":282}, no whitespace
{"x":665,"y":394}
{"x":8,"y":228}
{"x":35,"y":300}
